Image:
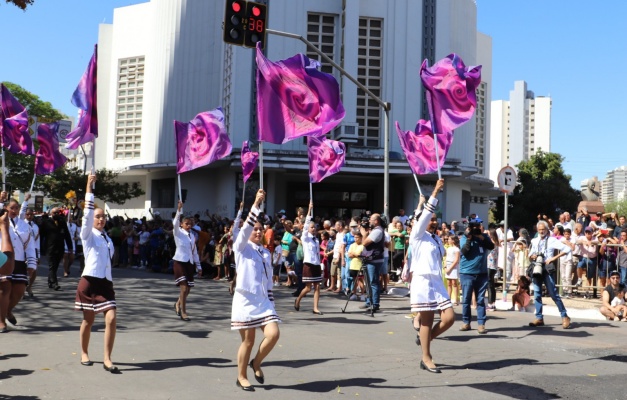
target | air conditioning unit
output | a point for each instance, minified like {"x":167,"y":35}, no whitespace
{"x":347,"y":133}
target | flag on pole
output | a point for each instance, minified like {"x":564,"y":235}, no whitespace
{"x":326,"y":157}
{"x":295,"y":99}
{"x":450,"y":93}
{"x":14,"y":128}
{"x":249,"y":160}
{"x":201,"y":141}
{"x":85,"y":99}
{"x":48,"y":157}
{"x":419,"y":147}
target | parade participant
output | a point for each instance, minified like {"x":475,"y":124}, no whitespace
{"x":94,"y":293}
{"x":253,"y":301}
{"x":57,"y":235}
{"x":312,"y":273}
{"x":185,"y":261}
{"x":6,"y":269}
{"x":428,"y":293}
{"x":28,"y":215}
{"x":544,"y":245}
{"x":24,"y":255}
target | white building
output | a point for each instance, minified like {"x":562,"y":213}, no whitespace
{"x":519,"y":128}
{"x":614,"y":185}
{"x":165,"y":60}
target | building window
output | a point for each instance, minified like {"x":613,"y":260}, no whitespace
{"x":129,"y":111}
{"x":162,"y":194}
{"x":480,"y":120}
{"x":228,"y":86}
{"x":322,"y":34}
{"x":369,"y":74}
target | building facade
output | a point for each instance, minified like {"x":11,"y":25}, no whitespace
{"x":165,"y":60}
{"x":614,"y":186}
{"x":519,"y":128}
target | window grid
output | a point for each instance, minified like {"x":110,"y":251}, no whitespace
{"x":129,"y":108}
{"x":369,"y":74}
{"x":228,"y":86}
{"x":321,"y":33}
{"x":480,"y":119}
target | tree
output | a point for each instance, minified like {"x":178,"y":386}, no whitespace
{"x":21,"y":3}
{"x":619,"y":207}
{"x":35,"y":106}
{"x":543,"y":188}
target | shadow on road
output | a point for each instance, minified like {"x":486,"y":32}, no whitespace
{"x":161,"y":365}
{"x":512,"y":390}
{"x":14,"y":372}
{"x":299,"y":363}
{"x":337,"y":385}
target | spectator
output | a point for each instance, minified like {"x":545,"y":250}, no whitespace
{"x":610,"y":292}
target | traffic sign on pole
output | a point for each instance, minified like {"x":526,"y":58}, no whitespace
{"x":507,"y":179}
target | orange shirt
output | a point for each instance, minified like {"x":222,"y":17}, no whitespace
{"x":269,"y":240}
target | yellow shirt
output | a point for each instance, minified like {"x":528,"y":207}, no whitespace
{"x":356,"y":262}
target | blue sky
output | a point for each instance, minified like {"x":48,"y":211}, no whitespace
{"x":571,"y":50}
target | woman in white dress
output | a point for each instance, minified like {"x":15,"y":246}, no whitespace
{"x":253,"y":301}
{"x":428,"y":293}
{"x":452,"y":267}
{"x":186,"y":261}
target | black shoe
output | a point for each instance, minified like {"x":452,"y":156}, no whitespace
{"x":88,"y":363}
{"x":186,"y":319}
{"x":113,"y":369}
{"x":12,"y":319}
{"x":435,"y":370}
{"x":318,"y":312}
{"x":375,"y":308}
{"x":297,"y":308}
{"x":417,"y":340}
{"x":245,"y":388}
{"x":176,"y":310}
{"x":260,"y":379}
{"x":55,"y":287}
{"x":4,"y":330}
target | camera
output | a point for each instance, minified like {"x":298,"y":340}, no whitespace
{"x":474,"y":226}
{"x":365,"y":223}
{"x":538,"y":266}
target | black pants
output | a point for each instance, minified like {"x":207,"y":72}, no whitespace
{"x":491,"y":286}
{"x":53,"y":266}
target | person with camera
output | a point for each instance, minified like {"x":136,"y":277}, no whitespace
{"x":57,"y":235}
{"x":543,"y":257}
{"x":428,"y":293}
{"x":373,"y":242}
{"x":473,"y":273}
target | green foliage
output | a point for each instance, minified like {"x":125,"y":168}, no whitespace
{"x":619,"y":207}
{"x":21,"y":3}
{"x":543,"y":188}
{"x":35,"y":106}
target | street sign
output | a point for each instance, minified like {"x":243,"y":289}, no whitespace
{"x":507,"y":179}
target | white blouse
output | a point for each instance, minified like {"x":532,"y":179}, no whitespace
{"x":185,"y":243}
{"x":97,"y":246}
{"x":311,"y":245}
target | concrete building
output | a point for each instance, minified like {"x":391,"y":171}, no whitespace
{"x":164,"y":60}
{"x":519,"y":128}
{"x":614,"y":185}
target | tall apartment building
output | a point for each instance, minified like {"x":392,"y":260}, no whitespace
{"x":519,"y":127}
{"x":164,"y":60}
{"x":614,"y":186}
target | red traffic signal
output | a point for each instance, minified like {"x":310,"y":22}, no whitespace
{"x":234,"y":22}
{"x":256,"y":21}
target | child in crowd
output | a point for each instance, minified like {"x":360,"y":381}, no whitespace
{"x":354,"y":253}
{"x":452,"y":267}
{"x":521,"y":257}
{"x":521,"y":297}
{"x":277,"y":260}
{"x":619,"y":301}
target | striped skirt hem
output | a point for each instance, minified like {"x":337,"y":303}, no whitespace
{"x":183,"y":280}
{"x":431,"y":306}
{"x":18,"y":278}
{"x":235,"y":325}
{"x":97,"y":308}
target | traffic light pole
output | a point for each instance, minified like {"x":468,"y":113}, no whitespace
{"x":386,"y":106}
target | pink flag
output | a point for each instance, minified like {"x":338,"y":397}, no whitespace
{"x":14,"y":128}
{"x":326,"y":157}
{"x":249,"y":160}
{"x":419,"y":147}
{"x":450,"y":92}
{"x":48,"y":157}
{"x":201,"y":141}
{"x":85,"y":98}
{"x":294,"y":99}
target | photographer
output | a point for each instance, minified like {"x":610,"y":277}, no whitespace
{"x":374,"y":242}
{"x":543,"y":257}
{"x":473,"y":272}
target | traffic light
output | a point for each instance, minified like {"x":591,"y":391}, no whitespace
{"x":234,"y":27}
{"x":256,"y":14}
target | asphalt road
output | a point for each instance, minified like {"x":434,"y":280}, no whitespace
{"x":337,"y":355}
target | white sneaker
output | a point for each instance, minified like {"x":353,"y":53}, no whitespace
{"x":353,"y":297}
{"x":275,"y":284}
{"x":363,"y":298}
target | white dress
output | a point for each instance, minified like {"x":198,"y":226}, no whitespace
{"x":451,"y":254}
{"x":427,"y":291}
{"x":253,"y":301}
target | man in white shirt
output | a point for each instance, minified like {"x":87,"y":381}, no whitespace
{"x":402,"y":217}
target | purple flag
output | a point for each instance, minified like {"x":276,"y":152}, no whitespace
{"x":294,"y":99}
{"x":14,"y":128}
{"x":201,"y":141}
{"x":419,"y":147}
{"x":450,"y":92}
{"x":85,"y":99}
{"x":326,"y":157}
{"x":249,"y":160}
{"x":48,"y":157}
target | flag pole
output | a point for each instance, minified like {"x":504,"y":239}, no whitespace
{"x":437,"y":156}
{"x":311,"y":195}
{"x":4,"y":173}
{"x":32,"y":183}
{"x":261,"y":165}
{"x":417,"y":184}
{"x":180,"y":191}
{"x":244,"y":191}
{"x":434,"y":129}
{"x":93,"y":160}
